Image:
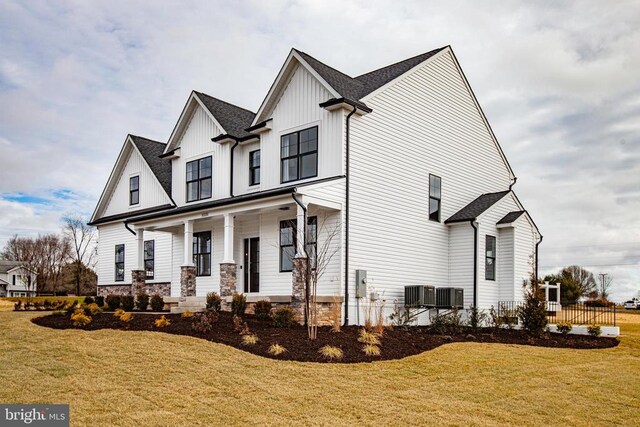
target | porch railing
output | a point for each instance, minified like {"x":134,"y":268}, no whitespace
{"x":575,"y":313}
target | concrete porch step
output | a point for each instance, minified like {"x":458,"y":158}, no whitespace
{"x":180,"y":310}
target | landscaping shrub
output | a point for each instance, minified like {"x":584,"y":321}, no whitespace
{"x":127,"y":302}
{"x":477,"y":318}
{"x":88,"y":300}
{"x":284,"y":317}
{"x":495,"y":320}
{"x":18,"y":305}
{"x":38,"y":305}
{"x":126,"y":317}
{"x":47,"y":303}
{"x":447,"y":323}
{"x":113,"y":301}
{"x":71,"y":307}
{"x":367,"y":337}
{"x":336,"y":313}
{"x":100,"y":301}
{"x":157,"y":303}
{"x":564,"y":327}
{"x":249,"y":339}
{"x":276,"y":349}
{"x":119,"y":312}
{"x":238,"y":304}
{"x":598,"y":302}
{"x":239,"y":326}
{"x":186,"y":314}
{"x":80,"y":319}
{"x":204,"y":322}
{"x":371,"y":350}
{"x":142,"y":301}
{"x":214,"y":302}
{"x":594,"y":330}
{"x":94,"y":309}
{"x":162,"y":322}
{"x":331,"y":353}
{"x":533,"y":314}
{"x":262,"y":310}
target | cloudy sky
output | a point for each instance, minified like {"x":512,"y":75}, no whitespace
{"x":559,"y":82}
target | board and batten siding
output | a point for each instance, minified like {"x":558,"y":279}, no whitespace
{"x":298,"y":109}
{"x":195,"y":143}
{"x":426,"y":123}
{"x":241,"y":169}
{"x":151,"y":192}
{"x":110,"y":235}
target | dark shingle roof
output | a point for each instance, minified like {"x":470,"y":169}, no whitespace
{"x":358,"y":87}
{"x":151,"y":151}
{"x":232,"y":118}
{"x":510,"y":217}
{"x":475,"y":208}
{"x":6,"y":265}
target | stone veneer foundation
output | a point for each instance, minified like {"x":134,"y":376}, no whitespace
{"x":228,"y":280}
{"x":188,"y":281}
{"x":138,"y":279}
{"x":298,"y":281}
{"x":162,"y":288}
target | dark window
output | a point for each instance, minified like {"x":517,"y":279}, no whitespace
{"x":288,"y":242}
{"x":199,"y":179}
{"x":134,"y":190}
{"x":119,"y":263}
{"x":299,"y":155}
{"x":202,"y":253}
{"x":14,"y":280}
{"x":490,"y":263}
{"x":149,"y":257}
{"x":435,"y":190}
{"x":254,"y":167}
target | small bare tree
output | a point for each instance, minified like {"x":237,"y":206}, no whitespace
{"x":56,"y":252}
{"x":82,"y":238}
{"x":605,"y":286}
{"x":316,"y":267}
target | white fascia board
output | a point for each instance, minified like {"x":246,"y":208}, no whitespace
{"x":404,"y":75}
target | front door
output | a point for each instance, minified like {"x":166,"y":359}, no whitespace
{"x":252,"y":265}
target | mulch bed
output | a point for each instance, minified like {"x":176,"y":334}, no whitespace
{"x":395,"y":344}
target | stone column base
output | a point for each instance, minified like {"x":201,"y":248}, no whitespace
{"x":188,"y":281}
{"x":138,"y":280}
{"x":298,"y":286}
{"x":228,"y":280}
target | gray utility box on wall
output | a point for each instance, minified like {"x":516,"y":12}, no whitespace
{"x":420,"y":296}
{"x":449,"y":298}
{"x":361,"y":283}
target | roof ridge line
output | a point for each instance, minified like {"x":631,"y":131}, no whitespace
{"x":147,"y":139}
{"x":226,"y":102}
{"x":401,"y":61}
{"x":327,"y":65}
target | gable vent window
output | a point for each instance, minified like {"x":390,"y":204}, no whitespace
{"x":299,"y":155}
{"x":254,"y":167}
{"x":199,"y":179}
{"x":134,"y":190}
{"x":490,"y":258}
{"x":149,"y":257}
{"x":119,"y":263}
{"x":435,"y":190}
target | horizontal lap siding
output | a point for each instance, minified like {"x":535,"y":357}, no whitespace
{"x":505,"y":264}
{"x":111,"y":235}
{"x":151,"y":193}
{"x":461,"y":260}
{"x":425,"y":123}
{"x":524,"y":247}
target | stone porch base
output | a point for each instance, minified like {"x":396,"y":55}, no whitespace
{"x":162,"y":288}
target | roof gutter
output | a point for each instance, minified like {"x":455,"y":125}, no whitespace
{"x":346,"y":219}
{"x":475,"y":262}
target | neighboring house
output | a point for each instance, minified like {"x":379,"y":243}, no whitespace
{"x":401,"y":161}
{"x":16,"y":280}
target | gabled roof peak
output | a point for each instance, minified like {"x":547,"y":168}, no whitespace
{"x":233,"y":119}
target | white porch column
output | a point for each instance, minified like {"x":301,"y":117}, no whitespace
{"x":188,"y":243}
{"x":228,"y":239}
{"x":300,"y":227}
{"x":140,"y":240}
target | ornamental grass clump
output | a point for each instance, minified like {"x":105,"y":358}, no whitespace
{"x":162,"y":322}
{"x":186,"y":314}
{"x":94,"y":309}
{"x":371,"y":350}
{"x":250,"y":339}
{"x":366,"y":337}
{"x":80,"y":319}
{"x":126,"y":317}
{"x":119,"y":312}
{"x":276,"y":349}
{"x":331,"y":353}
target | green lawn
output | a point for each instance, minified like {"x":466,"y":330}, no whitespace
{"x":146,"y":378}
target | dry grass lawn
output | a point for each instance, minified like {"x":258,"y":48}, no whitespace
{"x":145,"y":378}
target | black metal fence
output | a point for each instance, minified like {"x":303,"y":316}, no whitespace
{"x":576,"y":313}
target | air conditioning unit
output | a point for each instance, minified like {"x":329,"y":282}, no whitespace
{"x":449,"y":298}
{"x":420,"y":296}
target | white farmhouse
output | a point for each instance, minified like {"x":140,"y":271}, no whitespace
{"x":16,"y":280}
{"x":400,"y":164}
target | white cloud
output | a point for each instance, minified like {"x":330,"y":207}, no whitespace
{"x":558,"y":82}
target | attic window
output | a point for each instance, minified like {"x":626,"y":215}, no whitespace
{"x":299,"y":155}
{"x":134,"y":190}
{"x":199,"y":179}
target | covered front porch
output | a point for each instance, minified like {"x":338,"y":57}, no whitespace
{"x":260,"y":249}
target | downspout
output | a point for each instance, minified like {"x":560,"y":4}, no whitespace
{"x":537,"y":244}
{"x":304,"y":249}
{"x":126,"y":225}
{"x":346,"y":222}
{"x":233,"y":147}
{"x":515,"y":178}
{"x":475,"y":263}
